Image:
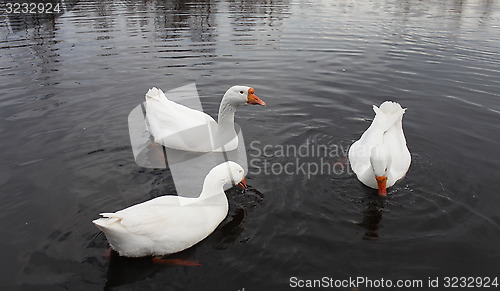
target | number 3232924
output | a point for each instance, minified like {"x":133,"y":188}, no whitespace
{"x":471,"y":282}
{"x":31,"y":8}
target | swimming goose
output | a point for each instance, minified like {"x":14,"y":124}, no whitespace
{"x":380,"y":157}
{"x":170,"y":224}
{"x":179,"y":127}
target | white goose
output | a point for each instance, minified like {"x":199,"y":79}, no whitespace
{"x":170,"y":224}
{"x":380,"y":157}
{"x":179,"y":127}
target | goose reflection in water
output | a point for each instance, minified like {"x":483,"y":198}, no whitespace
{"x":372,"y":216}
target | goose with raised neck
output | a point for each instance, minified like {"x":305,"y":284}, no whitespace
{"x":179,"y":127}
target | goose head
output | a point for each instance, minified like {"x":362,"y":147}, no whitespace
{"x":231,"y":173}
{"x":242,"y":95}
{"x":380,"y":160}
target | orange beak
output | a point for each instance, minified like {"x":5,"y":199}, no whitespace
{"x":243,"y":183}
{"x":253,"y":99}
{"x":381,"y":182}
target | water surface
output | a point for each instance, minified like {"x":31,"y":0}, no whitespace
{"x":68,"y":83}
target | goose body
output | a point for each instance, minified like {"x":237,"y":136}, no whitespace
{"x":170,"y":224}
{"x":182,"y":128}
{"x":380,"y":157}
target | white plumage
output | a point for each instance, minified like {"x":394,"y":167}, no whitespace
{"x":179,"y":127}
{"x":381,"y":151}
{"x":170,"y":224}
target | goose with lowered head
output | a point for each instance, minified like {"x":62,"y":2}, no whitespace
{"x":181,"y":128}
{"x":380,"y":157}
{"x":170,"y":224}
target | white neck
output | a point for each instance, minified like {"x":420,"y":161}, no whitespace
{"x":214,"y":184}
{"x":225,"y":130}
{"x":226,"y":114}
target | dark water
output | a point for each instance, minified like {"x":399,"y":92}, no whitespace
{"x":68,"y":83}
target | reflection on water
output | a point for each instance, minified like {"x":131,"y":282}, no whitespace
{"x":372,"y":216}
{"x":68,"y":83}
{"x":249,"y":15}
{"x":124,"y":270}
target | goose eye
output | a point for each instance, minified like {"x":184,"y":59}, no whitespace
{"x":241,"y":92}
